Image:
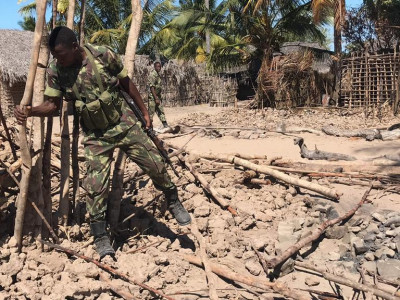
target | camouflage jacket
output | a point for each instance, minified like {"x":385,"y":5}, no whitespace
{"x":154,"y":81}
{"x":60,"y":81}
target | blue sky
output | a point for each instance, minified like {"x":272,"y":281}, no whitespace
{"x":9,"y":15}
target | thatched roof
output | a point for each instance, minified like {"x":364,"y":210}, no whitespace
{"x":15,"y":54}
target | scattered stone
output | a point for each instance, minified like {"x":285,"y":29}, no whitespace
{"x":248,"y":223}
{"x":359,"y":245}
{"x":253,"y":267}
{"x":395,"y":221}
{"x":324,"y":208}
{"x":279,"y":203}
{"x":390,"y":233}
{"x":369,"y":237}
{"x":311,"y":281}
{"x":192,"y":188}
{"x":372,"y":228}
{"x":260,"y":216}
{"x":202,"y":211}
{"x":369,"y":266}
{"x":369,"y":256}
{"x":355,"y":229}
{"x":333,"y":256}
{"x":378,"y":217}
{"x":384,"y":251}
{"x":389,"y":269}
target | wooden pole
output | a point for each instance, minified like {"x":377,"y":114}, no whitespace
{"x":279,"y":175}
{"x":25,"y":102}
{"x":64,"y":207}
{"x":214,"y":193}
{"x":3,"y":121}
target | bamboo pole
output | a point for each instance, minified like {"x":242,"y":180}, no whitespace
{"x":279,"y":175}
{"x":315,"y":234}
{"x":25,"y":102}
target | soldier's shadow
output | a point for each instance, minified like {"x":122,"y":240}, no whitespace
{"x":146,"y":220}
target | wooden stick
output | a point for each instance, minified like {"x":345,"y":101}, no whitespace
{"x":316,"y":233}
{"x":204,"y":259}
{"x":348,"y":282}
{"x":279,"y":175}
{"x":3,"y":121}
{"x":53,"y":234}
{"x":263,"y":284}
{"x":124,"y":294}
{"x":106,"y":267}
{"x":144,"y":247}
{"x":212,"y":191}
{"x":26,"y":101}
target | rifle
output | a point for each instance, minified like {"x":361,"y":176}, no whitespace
{"x":149,"y":131}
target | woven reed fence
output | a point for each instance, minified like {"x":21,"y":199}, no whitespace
{"x":186,"y":84}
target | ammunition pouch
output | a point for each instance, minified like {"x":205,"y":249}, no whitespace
{"x":103,"y":112}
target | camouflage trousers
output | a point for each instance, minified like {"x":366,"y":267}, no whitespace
{"x":153,"y":108}
{"x":99,"y":154}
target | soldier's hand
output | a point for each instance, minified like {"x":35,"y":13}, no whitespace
{"x":158,"y":102}
{"x":148,"y":121}
{"x":22,"y":114}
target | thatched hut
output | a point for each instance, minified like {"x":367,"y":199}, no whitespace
{"x":15,"y":54}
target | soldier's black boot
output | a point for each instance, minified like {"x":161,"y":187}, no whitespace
{"x":176,"y":208}
{"x":165,"y":124}
{"x":101,"y":239}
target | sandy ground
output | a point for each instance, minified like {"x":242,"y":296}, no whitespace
{"x":270,"y":217}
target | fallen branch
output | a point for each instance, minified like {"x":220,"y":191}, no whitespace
{"x":124,"y":294}
{"x":206,"y":264}
{"x":212,"y":191}
{"x":144,"y":247}
{"x":315,"y":234}
{"x":279,"y":175}
{"x":318,"y":154}
{"x":263,"y":284}
{"x":348,"y":282}
{"x":106,"y":267}
{"x":368,"y":134}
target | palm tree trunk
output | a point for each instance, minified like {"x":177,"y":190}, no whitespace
{"x":65,"y":143}
{"x":26,"y":101}
{"x":119,"y":167}
{"x":340,"y":12}
{"x":208,"y":42}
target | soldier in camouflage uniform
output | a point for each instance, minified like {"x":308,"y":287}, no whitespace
{"x":91,"y":77}
{"x":155,"y":104}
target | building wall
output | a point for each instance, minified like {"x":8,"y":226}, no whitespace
{"x":10,"y":96}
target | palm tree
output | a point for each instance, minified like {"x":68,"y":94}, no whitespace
{"x":323,"y":9}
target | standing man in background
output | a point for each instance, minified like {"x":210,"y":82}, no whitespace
{"x":155,"y":105}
